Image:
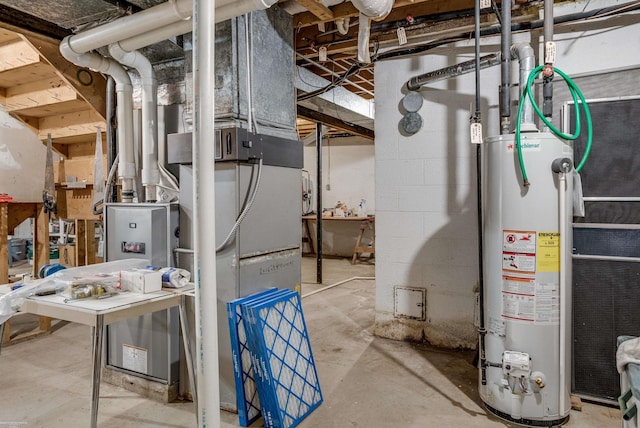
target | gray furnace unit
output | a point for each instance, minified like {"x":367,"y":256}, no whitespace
{"x":147,"y":346}
{"x":265,"y":251}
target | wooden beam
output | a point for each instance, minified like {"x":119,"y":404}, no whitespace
{"x":317,"y":9}
{"x":17,"y":54}
{"x":18,"y":213}
{"x":90,"y":85}
{"x":351,"y":128}
{"x":38,"y":94}
{"x":347,"y":10}
{"x":70,"y":124}
{"x":40,"y":240}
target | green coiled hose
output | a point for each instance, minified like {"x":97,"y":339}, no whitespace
{"x":575,"y":94}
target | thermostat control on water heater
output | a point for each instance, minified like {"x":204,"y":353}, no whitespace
{"x":516,"y":364}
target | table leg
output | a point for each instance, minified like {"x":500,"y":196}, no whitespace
{"x":97,"y":368}
{"x":2,"y":327}
{"x":187,"y":348}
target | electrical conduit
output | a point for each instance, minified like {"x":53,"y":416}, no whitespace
{"x":150,"y":172}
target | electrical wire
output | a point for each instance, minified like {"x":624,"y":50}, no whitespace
{"x":110,"y":176}
{"x":575,"y":92}
{"x":495,"y":29}
{"x":244,"y":212}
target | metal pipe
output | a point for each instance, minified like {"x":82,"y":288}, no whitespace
{"x":477,"y":119}
{"x":547,"y":88}
{"x":524,"y":53}
{"x":476,"y":30}
{"x":415,"y":83}
{"x":96,"y":369}
{"x":150,"y":171}
{"x":204,"y":231}
{"x":186,"y":343}
{"x":505,"y":85}
{"x":319,"y":204}
{"x":564,"y":304}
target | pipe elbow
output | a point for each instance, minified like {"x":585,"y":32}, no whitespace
{"x":67,"y":51}
{"x":342,"y":25}
{"x":133,"y":59}
{"x":183,"y":9}
{"x":374,"y":9}
{"x":521,"y":51}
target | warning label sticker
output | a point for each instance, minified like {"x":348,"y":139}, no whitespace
{"x":525,"y":300}
{"x":547,"y":303}
{"x":524,"y":263}
{"x":516,"y":241}
{"x":548,"y":251}
{"x":518,"y":307}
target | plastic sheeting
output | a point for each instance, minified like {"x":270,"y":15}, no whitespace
{"x":22,"y":161}
{"x":10,"y":303}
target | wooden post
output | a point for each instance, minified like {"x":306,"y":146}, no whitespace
{"x":81,"y":243}
{"x":91,"y":247}
{"x":40,"y":240}
{"x":4,"y":243}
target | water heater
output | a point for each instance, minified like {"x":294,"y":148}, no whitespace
{"x":525,"y":373}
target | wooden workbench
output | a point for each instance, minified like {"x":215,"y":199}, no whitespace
{"x":11,"y":215}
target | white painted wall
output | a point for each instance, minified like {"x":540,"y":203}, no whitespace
{"x":348,"y":166}
{"x":426,"y":219}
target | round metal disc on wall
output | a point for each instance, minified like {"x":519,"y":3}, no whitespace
{"x":412,"y":101}
{"x":411,"y":123}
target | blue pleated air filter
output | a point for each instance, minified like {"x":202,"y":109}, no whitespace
{"x":247,"y":398}
{"x":285,"y":372}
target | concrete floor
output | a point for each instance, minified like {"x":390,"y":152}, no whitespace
{"x":366,"y":381}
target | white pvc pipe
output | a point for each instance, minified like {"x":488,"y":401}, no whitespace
{"x":237,"y":8}
{"x":342,"y":25}
{"x":204,"y":230}
{"x":154,"y":36}
{"x":562,"y":182}
{"x":375,"y":9}
{"x":328,"y":287}
{"x":131,"y":25}
{"x":124,"y":90}
{"x":150,"y":172}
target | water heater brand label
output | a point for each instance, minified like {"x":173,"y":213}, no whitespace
{"x":526,"y":147}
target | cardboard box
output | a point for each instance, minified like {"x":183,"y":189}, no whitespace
{"x":140,"y":280}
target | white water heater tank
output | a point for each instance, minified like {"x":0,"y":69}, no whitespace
{"x":522,"y":306}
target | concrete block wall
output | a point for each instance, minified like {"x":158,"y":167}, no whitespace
{"x":426,"y":220}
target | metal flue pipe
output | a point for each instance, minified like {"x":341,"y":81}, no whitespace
{"x":547,"y":87}
{"x":523,"y":52}
{"x":505,"y":80}
{"x":415,"y":83}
